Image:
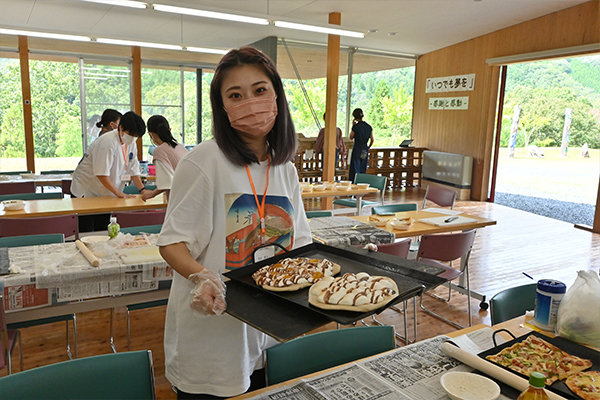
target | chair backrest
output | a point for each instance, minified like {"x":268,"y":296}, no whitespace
{"x":127,"y":375}
{"x":399,"y":248}
{"x":15,"y":172}
{"x":138,"y":230}
{"x":31,"y":196}
{"x":65,"y":186}
{"x":65,"y":224}
{"x":375,"y":181}
{"x":440,"y":195}
{"x":317,"y":214}
{"x":132,"y":189}
{"x":511,"y":303}
{"x":31,"y":240}
{"x":139,"y":218}
{"x":57,"y":172}
{"x":393,"y":208}
{"x":17,"y":187}
{"x":446,"y":247}
{"x":323,"y":350}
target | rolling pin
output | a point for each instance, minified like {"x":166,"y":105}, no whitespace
{"x":491,"y":370}
{"x":87,"y":253}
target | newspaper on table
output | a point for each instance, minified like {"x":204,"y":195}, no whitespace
{"x":407,"y":373}
{"x":336,"y":231}
{"x":62,"y":268}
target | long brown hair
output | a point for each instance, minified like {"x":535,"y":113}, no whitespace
{"x":281,"y":139}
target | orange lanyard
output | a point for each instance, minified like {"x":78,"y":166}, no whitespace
{"x":260,"y":206}
{"x":123,"y":150}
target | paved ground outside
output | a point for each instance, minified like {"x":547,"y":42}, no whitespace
{"x":552,"y":185}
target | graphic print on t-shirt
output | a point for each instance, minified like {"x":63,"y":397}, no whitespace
{"x":242,"y":229}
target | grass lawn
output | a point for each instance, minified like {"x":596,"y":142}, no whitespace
{"x":572,"y":178}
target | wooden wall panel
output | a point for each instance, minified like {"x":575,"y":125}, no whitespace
{"x":470,"y":132}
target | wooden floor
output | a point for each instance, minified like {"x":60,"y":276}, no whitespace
{"x":520,"y":242}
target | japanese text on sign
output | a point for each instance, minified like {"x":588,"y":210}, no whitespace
{"x":449,"y":103}
{"x":457,"y":83}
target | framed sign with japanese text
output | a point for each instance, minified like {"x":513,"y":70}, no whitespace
{"x":456,"y":83}
{"x":449,"y":103}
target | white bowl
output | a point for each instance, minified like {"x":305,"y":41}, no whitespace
{"x":28,"y":175}
{"x":318,"y":188}
{"x":362,"y":185}
{"x":402,"y":224}
{"x":13,"y":205}
{"x":6,"y":177}
{"x":469,"y":386}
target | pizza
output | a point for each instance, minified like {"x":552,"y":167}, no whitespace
{"x":353,"y":292}
{"x":292,"y":274}
{"x":537,"y":355}
{"x":585,"y":384}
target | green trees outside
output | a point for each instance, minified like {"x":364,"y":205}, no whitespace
{"x":544,"y":90}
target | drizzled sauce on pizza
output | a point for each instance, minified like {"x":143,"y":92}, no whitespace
{"x":290,"y":272}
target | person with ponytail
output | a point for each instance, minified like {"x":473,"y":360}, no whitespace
{"x":109,"y":121}
{"x":166,"y":155}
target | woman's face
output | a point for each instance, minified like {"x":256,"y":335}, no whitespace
{"x":245,"y":82}
{"x":115,"y":124}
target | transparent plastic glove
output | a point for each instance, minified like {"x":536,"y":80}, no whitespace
{"x":370,"y":247}
{"x":208,"y":296}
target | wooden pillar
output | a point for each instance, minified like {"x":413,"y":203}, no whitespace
{"x":136,"y":87}
{"x":333,"y":72}
{"x":26,"y":95}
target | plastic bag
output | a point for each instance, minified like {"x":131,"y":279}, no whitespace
{"x":579,"y":312}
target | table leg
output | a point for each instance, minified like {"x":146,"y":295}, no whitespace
{"x":358,"y":204}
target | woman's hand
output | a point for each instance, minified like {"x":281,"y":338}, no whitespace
{"x":208,"y":296}
{"x":125,"y":195}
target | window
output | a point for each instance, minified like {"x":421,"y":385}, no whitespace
{"x":12,"y":137}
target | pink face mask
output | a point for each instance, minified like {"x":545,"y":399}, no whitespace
{"x":254,"y":116}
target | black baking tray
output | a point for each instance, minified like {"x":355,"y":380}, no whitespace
{"x":558,"y":387}
{"x":408,"y":275}
{"x":276,"y":317}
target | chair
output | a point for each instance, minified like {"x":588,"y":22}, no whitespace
{"x":65,"y":224}
{"x":140,"y":218}
{"x":398,"y":249}
{"x":393,"y":208}
{"x":17,"y":187}
{"x":15,"y":172}
{"x":65,"y":186}
{"x":30,"y":196}
{"x":318,"y":214}
{"x":132,"y":189}
{"x":438,"y":249}
{"x":9,"y":340}
{"x":108,"y":376}
{"x":57,"y":172}
{"x":375,"y":181}
{"x":316,"y":352}
{"x":136,"y":230}
{"x":512,"y":302}
{"x":32,"y":240}
{"x":440,"y":195}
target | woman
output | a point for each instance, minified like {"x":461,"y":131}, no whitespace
{"x":229,"y":195}
{"x":362,"y":133}
{"x":109,"y":121}
{"x":340,"y":146}
{"x":111,"y":161}
{"x":166,"y":155}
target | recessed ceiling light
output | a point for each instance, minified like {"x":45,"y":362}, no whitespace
{"x":210,"y":14}
{"x":141,"y":44}
{"x":372,"y":30}
{"x":392,"y":33}
{"x":206,"y":50}
{"x":320,"y":29}
{"x":122,"y":3}
{"x":45,"y":35}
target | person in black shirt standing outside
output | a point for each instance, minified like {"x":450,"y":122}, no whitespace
{"x":362,"y":133}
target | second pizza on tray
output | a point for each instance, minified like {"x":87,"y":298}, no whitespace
{"x":292,"y":274}
{"x":353,"y":292}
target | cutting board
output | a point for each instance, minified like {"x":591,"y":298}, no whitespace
{"x":140,"y":255}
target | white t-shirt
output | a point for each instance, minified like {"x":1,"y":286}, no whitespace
{"x":164,"y":175}
{"x":213,"y":211}
{"x":105,"y":157}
